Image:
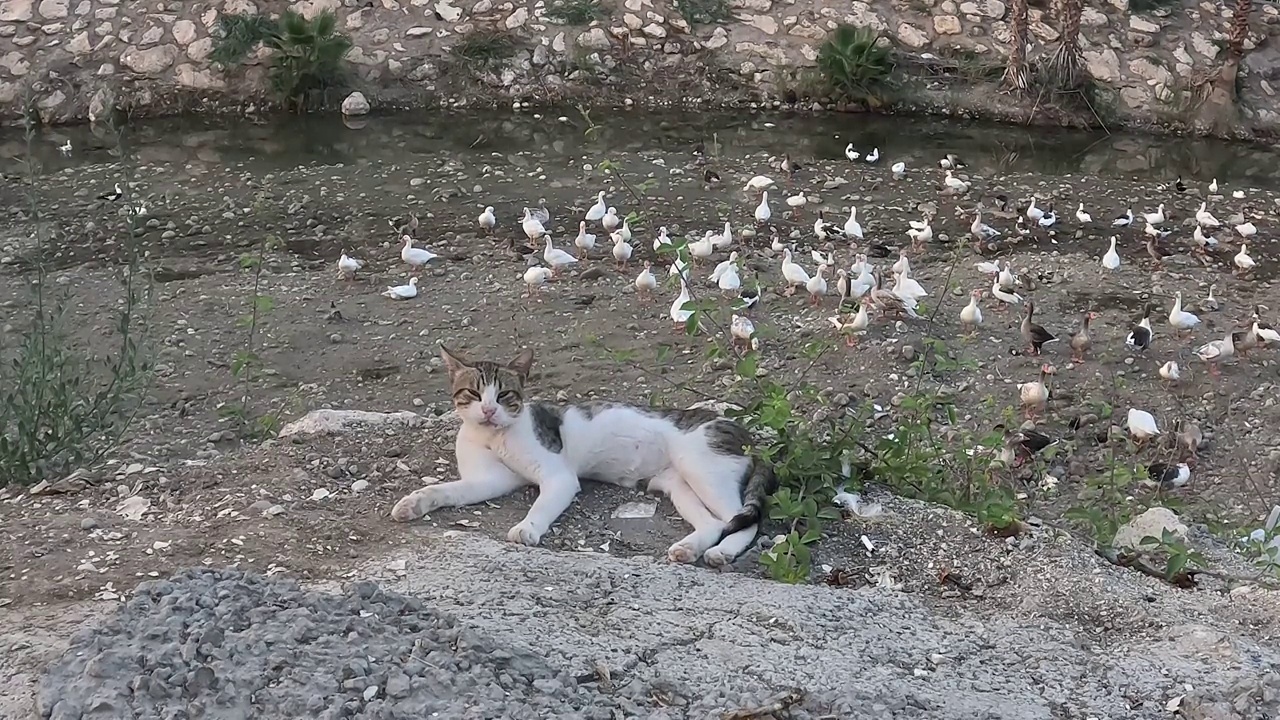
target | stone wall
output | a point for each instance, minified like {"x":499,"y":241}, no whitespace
{"x":74,"y":59}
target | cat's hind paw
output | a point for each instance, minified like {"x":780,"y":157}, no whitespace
{"x":715,"y":557}
{"x":524,"y":534}
{"x":682,"y":553}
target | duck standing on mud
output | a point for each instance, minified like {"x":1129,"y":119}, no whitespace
{"x":1034,"y":334}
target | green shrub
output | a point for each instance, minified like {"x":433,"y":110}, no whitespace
{"x":574,"y":12}
{"x":704,"y":12}
{"x":307,"y":56}
{"x":485,"y":47}
{"x":854,"y":63}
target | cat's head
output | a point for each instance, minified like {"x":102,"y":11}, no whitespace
{"x":487,"y":394}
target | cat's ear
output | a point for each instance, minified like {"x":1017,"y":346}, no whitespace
{"x":523,"y":363}
{"x":453,"y":362}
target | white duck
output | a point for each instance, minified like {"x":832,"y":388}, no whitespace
{"x":1006,"y":278}
{"x":646,"y":283}
{"x":487,"y":220}
{"x":1034,"y":213}
{"x":859,"y":265}
{"x":702,"y":249}
{"x":625,"y":231}
{"x":797,"y":202}
{"x":679,"y":267}
{"x":986,"y":267}
{"x":1242,"y":259}
{"x":1083,"y":217}
{"x":921,"y":236}
{"x":971,"y":314}
{"x":415,"y":257}
{"x":1008,"y":298}
{"x":1216,"y":352}
{"x":817,"y":285}
{"x":1170,"y":372}
{"x":793,"y":273}
{"x":556,"y":257}
{"x":1202,"y":240}
{"x":402,"y":292}
{"x":1142,"y":425}
{"x":597,"y":211}
{"x":873,"y":156}
{"x":1124,"y":220}
{"x":819,"y":258}
{"x":862,"y":283}
{"x":610,"y":221}
{"x":852,"y":327}
{"x":1035,"y":394}
{"x":1111,"y":259}
{"x":1049,"y":219}
{"x":1246,"y":230}
{"x":956,"y":184}
{"x":1156,"y":217}
{"x":1204,"y":218}
{"x":723,"y":267}
{"x":852,"y":228}
{"x":621,"y":249}
{"x":724,"y":239}
{"x":585,"y":242}
{"x":1180,"y":319}
{"x":532,"y":228}
{"x":902,"y":265}
{"x":679,"y":315}
{"x":744,"y":331}
{"x":1213,"y":186}
{"x":850,"y":153}
{"x":981,"y":230}
{"x":347,"y":266}
{"x":899,"y":170}
{"x":758,"y":183}
{"x":763,"y":213}
{"x":535,"y":277}
{"x":729,"y":280}
{"x":662,"y":239}
{"x":906,"y":287}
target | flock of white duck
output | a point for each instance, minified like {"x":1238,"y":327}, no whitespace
{"x":863,"y":284}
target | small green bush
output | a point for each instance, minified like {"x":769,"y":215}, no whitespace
{"x":574,"y":12}
{"x":704,"y":12}
{"x":854,"y":63}
{"x":308,"y":54}
{"x":485,"y":47}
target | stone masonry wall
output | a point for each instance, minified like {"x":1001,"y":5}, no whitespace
{"x":75,"y":59}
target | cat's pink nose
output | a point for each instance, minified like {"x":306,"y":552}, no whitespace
{"x":489,"y":412}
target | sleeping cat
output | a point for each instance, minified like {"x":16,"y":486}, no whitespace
{"x":697,"y":458}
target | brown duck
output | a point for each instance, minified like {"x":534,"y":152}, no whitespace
{"x":1157,"y":252}
{"x":1033,"y":334}
{"x":1080,"y":341}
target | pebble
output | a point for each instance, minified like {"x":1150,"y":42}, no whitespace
{"x":88,"y":523}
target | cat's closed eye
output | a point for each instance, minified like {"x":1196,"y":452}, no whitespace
{"x":466,"y":395}
{"x":508,"y":396}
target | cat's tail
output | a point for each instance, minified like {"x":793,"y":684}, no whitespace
{"x":761,"y":483}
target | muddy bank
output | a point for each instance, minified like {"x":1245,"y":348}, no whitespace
{"x":192,"y":486}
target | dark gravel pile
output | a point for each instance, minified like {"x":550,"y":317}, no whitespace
{"x":225,"y":644}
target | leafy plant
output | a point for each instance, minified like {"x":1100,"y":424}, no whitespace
{"x":855,"y":63}
{"x":703,"y":12}
{"x":61,"y":407}
{"x":485,"y":47}
{"x":1178,"y":556}
{"x":246,"y":361}
{"x":574,"y":12}
{"x":308,"y":55}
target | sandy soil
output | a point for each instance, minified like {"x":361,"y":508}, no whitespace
{"x":219,"y":499}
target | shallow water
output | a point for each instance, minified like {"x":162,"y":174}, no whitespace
{"x":987,"y":149}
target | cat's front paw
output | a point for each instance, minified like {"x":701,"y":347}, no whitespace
{"x":524,"y":534}
{"x":413,"y":506}
{"x":681,"y":553}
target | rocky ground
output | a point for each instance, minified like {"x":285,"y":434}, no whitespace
{"x":191,"y":487}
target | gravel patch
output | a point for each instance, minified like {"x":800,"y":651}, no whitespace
{"x":225,"y":644}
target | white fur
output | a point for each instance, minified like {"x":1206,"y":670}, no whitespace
{"x":617,"y":445}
